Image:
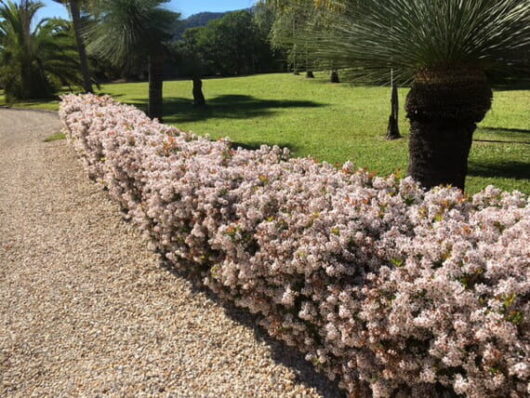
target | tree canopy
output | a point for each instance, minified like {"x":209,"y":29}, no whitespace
{"x":413,"y":35}
{"x":232,"y":45}
{"x":36,"y":57}
{"x":128,"y":30}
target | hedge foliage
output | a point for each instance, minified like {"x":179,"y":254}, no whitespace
{"x":392,"y":290}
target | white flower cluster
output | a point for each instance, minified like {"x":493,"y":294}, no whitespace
{"x":388,"y":288}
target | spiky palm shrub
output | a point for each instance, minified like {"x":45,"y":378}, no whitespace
{"x":444,"y":48}
{"x":36,"y":57}
{"x":126,"y":30}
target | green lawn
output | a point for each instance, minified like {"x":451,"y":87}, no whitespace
{"x":336,"y":123}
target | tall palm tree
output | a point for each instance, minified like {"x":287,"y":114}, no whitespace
{"x":36,"y":57}
{"x":128,"y":29}
{"x":74,"y":8}
{"x":445,"y":48}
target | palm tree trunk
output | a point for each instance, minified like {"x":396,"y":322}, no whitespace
{"x":393,"y":122}
{"x":156,"y":67}
{"x":76,"y":21}
{"x":444,"y":108}
{"x":295,"y":63}
{"x":198,"y":96}
{"x":309,"y":73}
{"x":334,"y":78}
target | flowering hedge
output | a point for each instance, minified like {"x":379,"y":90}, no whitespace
{"x":390,"y":289}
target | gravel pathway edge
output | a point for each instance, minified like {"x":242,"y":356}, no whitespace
{"x":87,"y":310}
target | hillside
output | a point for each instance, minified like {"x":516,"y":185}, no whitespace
{"x":198,"y":20}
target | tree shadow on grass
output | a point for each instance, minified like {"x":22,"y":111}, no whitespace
{"x":512,"y":169}
{"x":181,"y":110}
{"x":113,"y":95}
{"x":503,"y":129}
{"x":514,"y":84}
{"x":501,"y":142}
{"x":306,"y":373}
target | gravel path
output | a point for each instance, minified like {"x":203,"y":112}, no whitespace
{"x":87,"y":310}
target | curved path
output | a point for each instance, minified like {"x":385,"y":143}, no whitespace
{"x":87,"y":310}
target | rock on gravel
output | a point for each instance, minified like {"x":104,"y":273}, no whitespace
{"x":87,"y":310}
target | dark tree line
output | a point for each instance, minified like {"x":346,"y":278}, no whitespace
{"x":231,"y":46}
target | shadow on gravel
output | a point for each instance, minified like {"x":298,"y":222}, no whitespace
{"x":306,"y":374}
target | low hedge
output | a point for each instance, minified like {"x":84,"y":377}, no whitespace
{"x":389,"y":289}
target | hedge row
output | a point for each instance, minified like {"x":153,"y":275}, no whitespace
{"x":392,"y":290}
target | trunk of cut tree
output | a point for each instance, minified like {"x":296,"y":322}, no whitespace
{"x":444,"y":108}
{"x":156,"y":67}
{"x":334,"y":78}
{"x":198,"y":96}
{"x":308,"y":72}
{"x":295,"y":64}
{"x":76,"y":22}
{"x":392,"y":132}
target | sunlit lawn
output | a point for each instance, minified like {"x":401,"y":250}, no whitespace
{"x":336,"y":123}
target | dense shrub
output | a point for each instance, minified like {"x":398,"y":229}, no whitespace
{"x":390,"y":289}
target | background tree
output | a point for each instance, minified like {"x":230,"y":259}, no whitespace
{"x":445,"y":48}
{"x":234,"y":45}
{"x":191,"y":62}
{"x":128,"y":29}
{"x":36,"y":57}
{"x":74,"y":8}
{"x":293,"y":20}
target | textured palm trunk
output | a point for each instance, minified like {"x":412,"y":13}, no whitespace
{"x":444,"y":108}
{"x":198,"y":96}
{"x":76,"y":21}
{"x":156,"y":66}
{"x":392,"y":132}
{"x":27,"y":84}
{"x":334,"y":78}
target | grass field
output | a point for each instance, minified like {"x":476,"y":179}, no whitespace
{"x":336,"y":123}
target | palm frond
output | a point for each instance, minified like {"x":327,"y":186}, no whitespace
{"x":125,"y":27}
{"x":35,"y":55}
{"x":373,"y":36}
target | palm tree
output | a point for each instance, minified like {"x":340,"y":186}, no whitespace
{"x":445,"y":48}
{"x":36,"y":57}
{"x":75,"y":12}
{"x":128,"y":29}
